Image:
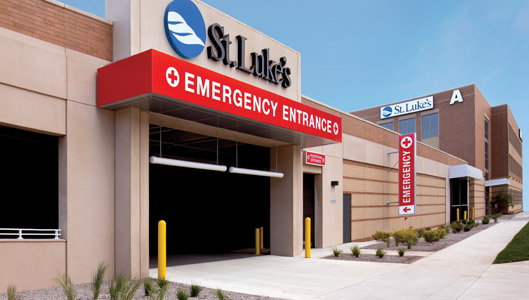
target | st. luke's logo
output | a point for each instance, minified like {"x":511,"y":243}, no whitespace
{"x":184,"y":28}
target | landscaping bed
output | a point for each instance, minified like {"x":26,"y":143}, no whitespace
{"x":420,"y":246}
{"x":84,"y":292}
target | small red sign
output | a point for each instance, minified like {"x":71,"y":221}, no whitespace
{"x":314,"y":158}
{"x":407,"y":152}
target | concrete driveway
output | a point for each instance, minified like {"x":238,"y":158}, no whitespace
{"x":461,"y":271}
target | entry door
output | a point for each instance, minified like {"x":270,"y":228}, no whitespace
{"x":458,"y":198}
{"x":308,"y":204}
{"x":346,"y":218}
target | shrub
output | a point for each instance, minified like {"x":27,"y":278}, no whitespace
{"x":195,"y":290}
{"x":420,"y":233}
{"x":67,"y":286}
{"x":467,"y":227}
{"x":485,"y":220}
{"x":181,"y":294}
{"x":221,"y":295}
{"x":504,"y":200}
{"x":337,"y":252}
{"x":356,"y":251}
{"x":97,"y":280}
{"x":388,"y":241}
{"x":155,"y":292}
{"x":401,"y":252}
{"x":11,"y":292}
{"x":148,"y":287}
{"x":464,"y":221}
{"x":380,"y":253}
{"x":381,"y":236}
{"x":123,"y":289}
{"x":456,"y":227}
{"x":408,"y":236}
{"x":441,"y":231}
{"x":431,"y":236}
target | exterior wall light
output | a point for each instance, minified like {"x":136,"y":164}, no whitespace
{"x":235,"y":170}
{"x":334,"y":183}
{"x":186,"y":164}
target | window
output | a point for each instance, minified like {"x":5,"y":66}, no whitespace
{"x":388,"y":125}
{"x":29,"y":180}
{"x":407,"y":126}
{"x":430,"y":125}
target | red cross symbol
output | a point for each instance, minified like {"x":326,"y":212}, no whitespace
{"x":172,"y":77}
{"x":406,"y":142}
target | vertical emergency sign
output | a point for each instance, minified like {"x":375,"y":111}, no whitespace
{"x":407,"y":151}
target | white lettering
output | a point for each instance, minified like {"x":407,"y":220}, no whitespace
{"x":215,"y":91}
{"x":237,"y":98}
{"x":202,"y":87}
{"x":456,"y":97}
{"x":189,"y":83}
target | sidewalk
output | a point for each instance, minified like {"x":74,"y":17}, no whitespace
{"x":461,"y":271}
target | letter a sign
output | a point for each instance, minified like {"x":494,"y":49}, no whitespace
{"x":407,"y":150}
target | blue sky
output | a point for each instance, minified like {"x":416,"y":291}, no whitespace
{"x":359,"y":54}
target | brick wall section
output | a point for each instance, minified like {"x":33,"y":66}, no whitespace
{"x":363,"y":129}
{"x":371,"y":186}
{"x":58,"y":25}
{"x":499,"y":143}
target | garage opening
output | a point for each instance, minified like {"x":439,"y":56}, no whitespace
{"x":29,"y":181}
{"x":207,"y":211}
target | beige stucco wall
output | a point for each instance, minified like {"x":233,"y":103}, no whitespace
{"x":139,"y":26}
{"x":286,"y":202}
{"x":31,"y":264}
{"x":50,"y":89}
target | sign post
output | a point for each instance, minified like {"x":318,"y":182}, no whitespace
{"x":407,"y":191}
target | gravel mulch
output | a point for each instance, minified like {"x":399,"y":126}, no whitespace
{"x":406,"y":259}
{"x":422,"y":246}
{"x":84,"y":292}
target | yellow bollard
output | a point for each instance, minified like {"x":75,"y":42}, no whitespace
{"x":162,"y":255}
{"x":262,"y":238}
{"x":465,"y":215}
{"x":457,"y":213}
{"x":307,"y":238}
{"x":473,"y":214}
{"x":257,"y":238}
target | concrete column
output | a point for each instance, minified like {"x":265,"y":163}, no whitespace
{"x":286,"y":202}
{"x":131,"y":199}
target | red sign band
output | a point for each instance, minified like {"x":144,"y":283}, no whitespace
{"x":314,"y":158}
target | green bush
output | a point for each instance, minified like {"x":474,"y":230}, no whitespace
{"x":431,"y":236}
{"x":381,"y":236}
{"x":485,"y":220}
{"x":67,"y":286}
{"x":401,"y":252}
{"x":337,"y":252}
{"x":181,"y":294}
{"x":97,"y":280}
{"x":408,"y":236}
{"x":464,"y":222}
{"x":356,"y":251}
{"x":221,"y":295}
{"x":11,"y":292}
{"x":504,"y":201}
{"x":123,"y":289}
{"x":420,"y":233}
{"x":195,"y":290}
{"x":456,"y":227}
{"x":380,"y":253}
{"x":441,"y":231}
{"x":467,"y":227}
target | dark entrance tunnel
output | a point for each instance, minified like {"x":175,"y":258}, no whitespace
{"x":207,"y":211}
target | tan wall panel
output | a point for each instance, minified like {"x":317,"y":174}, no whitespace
{"x":32,"y":64}
{"x":32,"y":111}
{"x":332,"y":202}
{"x":31,"y":264}
{"x":90,"y":190}
{"x":81,"y":75}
